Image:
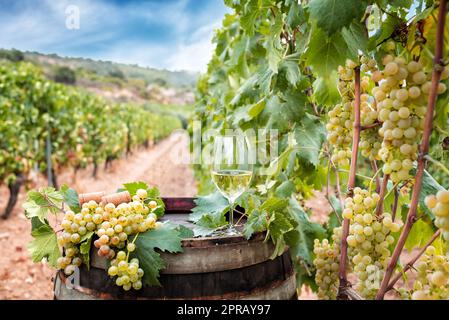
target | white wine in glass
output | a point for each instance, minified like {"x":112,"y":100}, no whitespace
{"x":231,"y":170}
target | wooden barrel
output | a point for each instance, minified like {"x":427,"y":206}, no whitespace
{"x":208,"y":268}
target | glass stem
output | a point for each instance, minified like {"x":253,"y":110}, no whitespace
{"x":231,"y":214}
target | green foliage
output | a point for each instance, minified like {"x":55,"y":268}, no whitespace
{"x":333,"y":15}
{"x":70,"y":198}
{"x":419,"y":235}
{"x":42,"y":202}
{"x":64,"y":75}
{"x":275,"y":67}
{"x":13,"y":55}
{"x":45,"y":244}
{"x":325,"y":53}
{"x":117,"y":73}
{"x":209,"y":213}
{"x":85,"y":246}
{"x":211,"y":205}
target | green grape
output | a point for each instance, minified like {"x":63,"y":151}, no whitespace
{"x":131,"y":247}
{"x":401,"y":94}
{"x":439,"y":205}
{"x":326,"y":262}
{"x":113,"y":226}
{"x":432,"y":280}
{"x":368,"y":248}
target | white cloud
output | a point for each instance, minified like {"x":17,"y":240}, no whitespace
{"x":194,"y":54}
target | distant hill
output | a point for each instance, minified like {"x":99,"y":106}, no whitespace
{"x":115,"y":81}
{"x":173,"y":79}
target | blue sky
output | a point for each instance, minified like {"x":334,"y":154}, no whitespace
{"x":171,"y":34}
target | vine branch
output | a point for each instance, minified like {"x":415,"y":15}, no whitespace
{"x":376,"y":169}
{"x":394,"y":206}
{"x":382,"y":193}
{"x":423,"y":150}
{"x":344,"y":284}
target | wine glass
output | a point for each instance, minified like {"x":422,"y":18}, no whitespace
{"x":232,"y":169}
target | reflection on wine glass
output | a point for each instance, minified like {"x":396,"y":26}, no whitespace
{"x":232,"y":169}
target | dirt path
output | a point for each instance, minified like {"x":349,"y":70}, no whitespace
{"x":158,"y":165}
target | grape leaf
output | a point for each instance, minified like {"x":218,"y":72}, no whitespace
{"x":274,"y":204}
{"x":278,"y":226}
{"x":356,"y":37}
{"x":398,"y":3}
{"x":264,"y":78}
{"x":132,"y":187}
{"x":208,"y":224}
{"x":248,"y":19}
{"x":333,"y":15}
{"x":421,"y":233}
{"x":325,"y":90}
{"x":277,"y":114}
{"x":285,"y":189}
{"x":247,"y":113}
{"x":257,"y":222}
{"x":387,"y":28}
{"x":429,"y":186}
{"x":41,"y":202}
{"x":85,"y":248}
{"x":295,"y":15}
{"x":239,"y":51}
{"x":326,"y":53}
{"x":274,"y":48}
{"x":164,"y":239}
{"x":71,"y":198}
{"x":292,"y":71}
{"x":185,"y":232}
{"x":309,"y":137}
{"x":307,"y":231}
{"x":44,"y":245}
{"x":213,"y":204}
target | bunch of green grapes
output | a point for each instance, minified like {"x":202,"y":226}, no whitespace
{"x":339,"y":128}
{"x":340,"y":125}
{"x":113,"y":226}
{"x":341,"y":119}
{"x":326,"y":262}
{"x":122,"y":221}
{"x":370,"y":141}
{"x":71,"y":259}
{"x":432,"y":282}
{"x":75,"y":226}
{"x":128,"y":273}
{"x":439,"y":205}
{"x":401,"y":94}
{"x":369,"y":240}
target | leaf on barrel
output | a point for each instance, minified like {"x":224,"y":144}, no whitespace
{"x":213,"y":204}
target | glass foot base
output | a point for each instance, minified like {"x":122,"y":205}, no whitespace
{"x":226,"y":231}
